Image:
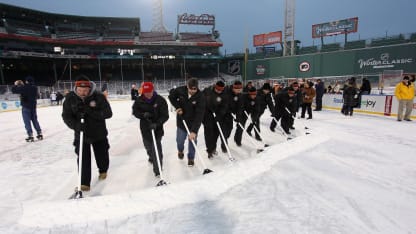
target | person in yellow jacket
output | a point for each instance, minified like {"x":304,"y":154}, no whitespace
{"x":405,"y":92}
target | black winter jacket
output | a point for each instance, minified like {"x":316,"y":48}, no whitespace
{"x":235,"y":103}
{"x":193,"y":108}
{"x":252,"y":107}
{"x":284,"y":103}
{"x":96,"y":109}
{"x":28,"y":94}
{"x":159,"y":114}
{"x":215,"y":103}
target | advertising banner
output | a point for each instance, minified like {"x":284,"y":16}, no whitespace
{"x":334,"y":28}
{"x":267,"y":38}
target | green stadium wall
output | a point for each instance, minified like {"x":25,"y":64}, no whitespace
{"x":365,"y":61}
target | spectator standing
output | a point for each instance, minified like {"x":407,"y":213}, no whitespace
{"x":405,"y":93}
{"x":320,"y":90}
{"x":134,"y":92}
{"x":350,"y":96}
{"x":92,"y":106}
{"x":308,"y":93}
{"x":365,"y":87}
{"x":28,"y":98}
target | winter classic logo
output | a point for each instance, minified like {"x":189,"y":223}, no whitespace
{"x":260,"y":70}
{"x":304,"y":66}
{"x":383,"y":62}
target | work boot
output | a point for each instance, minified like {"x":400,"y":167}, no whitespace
{"x":102,"y":176}
{"x":85,"y":188}
{"x":191,"y":163}
{"x":30,"y":139}
{"x":180,"y":155}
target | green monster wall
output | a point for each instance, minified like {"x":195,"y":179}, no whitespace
{"x":352,"y":62}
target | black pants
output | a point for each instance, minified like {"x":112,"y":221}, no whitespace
{"x":306,"y":107}
{"x":211,"y":134}
{"x":255,"y":123}
{"x":101,"y":158}
{"x":286,"y":122}
{"x":239,"y":131}
{"x":318,"y":103}
{"x":150,"y":150}
{"x":227,"y":127}
{"x":273,"y":124}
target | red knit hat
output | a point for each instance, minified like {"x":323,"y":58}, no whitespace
{"x":147,"y":87}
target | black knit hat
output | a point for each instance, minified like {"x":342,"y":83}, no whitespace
{"x":266,"y":86}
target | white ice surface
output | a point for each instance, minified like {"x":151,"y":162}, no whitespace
{"x":350,"y":175}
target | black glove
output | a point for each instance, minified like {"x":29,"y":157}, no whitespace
{"x":147,"y":115}
{"x":80,"y":127}
{"x":153,"y":126}
{"x":81,"y":110}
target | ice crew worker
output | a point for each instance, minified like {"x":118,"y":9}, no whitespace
{"x":251,"y":104}
{"x":85,"y":102}
{"x":152,"y":110}
{"x":235,"y":105}
{"x":215,"y":102}
{"x":189,"y":103}
{"x":284,"y":102}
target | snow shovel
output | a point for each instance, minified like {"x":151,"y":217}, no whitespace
{"x":206,"y":170}
{"x":162,"y":181}
{"x":281,"y":130}
{"x":78,"y":192}
{"x":249,"y":137}
{"x":223,"y":138}
{"x":255,"y":128}
{"x":306,"y":128}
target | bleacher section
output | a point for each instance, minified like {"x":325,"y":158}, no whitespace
{"x":330,"y":47}
{"x":156,"y":36}
{"x":308,"y":50}
{"x":412,"y":37}
{"x":354,"y":45}
{"x":197,"y":37}
{"x":388,"y":40}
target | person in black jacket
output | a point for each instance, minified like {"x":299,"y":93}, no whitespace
{"x":92,"y":106}
{"x":215,"y":103}
{"x":28,"y":96}
{"x":264,"y":100}
{"x":235,"y":107}
{"x":320,"y":90}
{"x":365,"y":88}
{"x":251,"y":104}
{"x":350,"y":96}
{"x":134,"y":92}
{"x":152,"y":110}
{"x":189,"y":103}
{"x":284,"y":105}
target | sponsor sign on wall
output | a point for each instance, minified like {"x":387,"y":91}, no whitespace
{"x":386,"y":105}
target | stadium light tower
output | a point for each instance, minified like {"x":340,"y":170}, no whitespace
{"x":158,"y":25}
{"x":289,"y":32}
